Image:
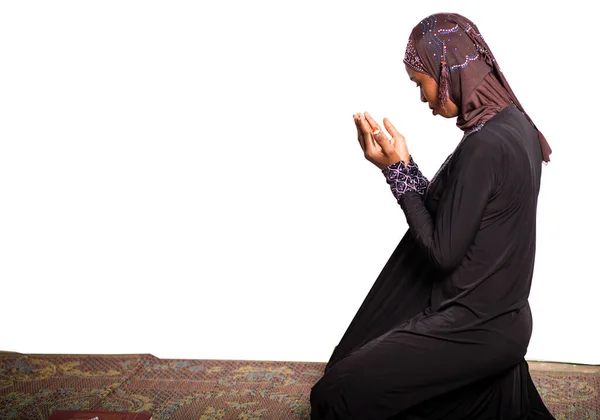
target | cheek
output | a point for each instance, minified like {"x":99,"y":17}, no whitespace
{"x":431,"y":94}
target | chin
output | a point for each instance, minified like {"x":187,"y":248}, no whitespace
{"x":443,"y":111}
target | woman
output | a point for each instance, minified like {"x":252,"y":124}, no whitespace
{"x":444,"y":330}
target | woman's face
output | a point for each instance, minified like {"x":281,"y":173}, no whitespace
{"x":429,"y":94}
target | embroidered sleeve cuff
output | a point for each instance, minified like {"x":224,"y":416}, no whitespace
{"x":402,"y":178}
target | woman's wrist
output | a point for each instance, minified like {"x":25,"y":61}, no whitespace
{"x":403,"y":177}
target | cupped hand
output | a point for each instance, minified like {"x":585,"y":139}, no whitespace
{"x":377,"y":147}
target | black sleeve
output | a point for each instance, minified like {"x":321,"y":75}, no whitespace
{"x":470,"y":183}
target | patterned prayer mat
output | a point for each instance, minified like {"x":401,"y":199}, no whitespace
{"x":32,"y":386}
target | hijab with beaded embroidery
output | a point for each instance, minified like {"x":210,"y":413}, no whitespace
{"x":449,"y":48}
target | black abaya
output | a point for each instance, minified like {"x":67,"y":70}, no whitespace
{"x":443,"y":332}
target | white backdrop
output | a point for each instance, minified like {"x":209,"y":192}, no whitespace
{"x":184,"y":179}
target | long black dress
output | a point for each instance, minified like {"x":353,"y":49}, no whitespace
{"x":443,"y":332}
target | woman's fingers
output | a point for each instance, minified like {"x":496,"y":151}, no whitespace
{"x":398,"y":142}
{"x":361,"y":136}
{"x":370,"y":145}
{"x":374,"y":126}
{"x":391,"y":129}
{"x":379,"y":136}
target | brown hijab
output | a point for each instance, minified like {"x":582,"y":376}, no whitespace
{"x":449,"y":48}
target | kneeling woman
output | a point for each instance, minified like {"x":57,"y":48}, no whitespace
{"x":444,"y":330}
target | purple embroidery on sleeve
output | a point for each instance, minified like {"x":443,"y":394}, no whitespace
{"x":403,"y":178}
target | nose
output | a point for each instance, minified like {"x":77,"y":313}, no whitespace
{"x":423,"y":98}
